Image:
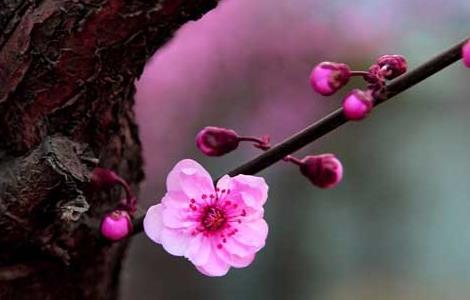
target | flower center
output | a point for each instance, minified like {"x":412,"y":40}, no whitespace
{"x":213,"y":218}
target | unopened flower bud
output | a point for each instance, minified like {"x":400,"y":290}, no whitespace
{"x":328,"y":77}
{"x":392,"y":66}
{"x":466,"y":54}
{"x":357,"y":104}
{"x":116,"y":225}
{"x":374,"y":75}
{"x":324,"y":171}
{"x":216,"y":141}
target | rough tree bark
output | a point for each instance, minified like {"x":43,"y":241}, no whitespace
{"x":67,"y":72}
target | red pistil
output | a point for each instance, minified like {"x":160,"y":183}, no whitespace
{"x":213,"y":218}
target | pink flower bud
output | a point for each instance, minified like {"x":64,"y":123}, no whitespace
{"x":324,"y":171}
{"x":116,"y":225}
{"x":328,"y":77}
{"x":466,"y":54}
{"x":357,"y":104}
{"x":392,"y":65}
{"x":215,"y":141}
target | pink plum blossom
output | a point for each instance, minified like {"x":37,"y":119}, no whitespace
{"x":214,"y":227}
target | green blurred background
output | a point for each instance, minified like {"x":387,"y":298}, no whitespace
{"x":397,"y":227}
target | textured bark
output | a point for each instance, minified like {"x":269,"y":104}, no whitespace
{"x":67,"y":72}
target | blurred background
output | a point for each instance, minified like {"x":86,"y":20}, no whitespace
{"x":397,"y":227}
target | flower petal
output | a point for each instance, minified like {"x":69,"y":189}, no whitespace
{"x":252,"y":233}
{"x":233,"y":246}
{"x":153,"y":224}
{"x":178,"y":218}
{"x":176,"y":200}
{"x":224,"y":183}
{"x":191,"y":178}
{"x":235,"y":260}
{"x":242,"y":262}
{"x":214,"y":266}
{"x":252,"y":190}
{"x":175,"y":241}
{"x":199,"y":250}
{"x":236,"y":254}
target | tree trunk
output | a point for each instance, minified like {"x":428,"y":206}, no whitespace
{"x":67,"y":72}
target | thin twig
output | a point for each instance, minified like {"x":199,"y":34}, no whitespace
{"x":336,"y":118}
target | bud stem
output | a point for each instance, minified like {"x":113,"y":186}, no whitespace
{"x":251,"y":139}
{"x":105,"y":178}
{"x":130,"y":203}
{"x":260,"y":143}
{"x":293,"y":159}
{"x":359,"y":73}
{"x":126,"y":187}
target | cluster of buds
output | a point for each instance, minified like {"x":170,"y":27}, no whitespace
{"x":329,"y":77}
{"x":116,"y":224}
{"x":324,"y":171}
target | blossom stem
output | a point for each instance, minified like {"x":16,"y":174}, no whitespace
{"x":359,"y":73}
{"x":126,"y":187}
{"x":293,"y":159}
{"x":260,"y":143}
{"x":335,"y":119}
{"x":251,"y":139}
{"x":130,"y":200}
{"x":130,"y":204}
